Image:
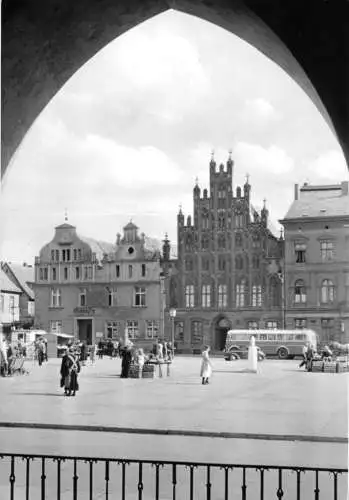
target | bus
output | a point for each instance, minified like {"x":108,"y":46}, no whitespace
{"x":282,"y":343}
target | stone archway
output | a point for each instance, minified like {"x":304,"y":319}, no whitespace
{"x":221,"y":325}
{"x":44,"y":42}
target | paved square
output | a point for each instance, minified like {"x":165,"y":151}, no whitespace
{"x":280,"y":416}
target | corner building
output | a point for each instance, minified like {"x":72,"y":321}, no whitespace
{"x":227,"y":271}
{"x":93,"y":290}
{"x":317,"y":261}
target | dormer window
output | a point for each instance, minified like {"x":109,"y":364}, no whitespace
{"x":300,"y":248}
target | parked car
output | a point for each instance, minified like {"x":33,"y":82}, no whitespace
{"x":237,"y":352}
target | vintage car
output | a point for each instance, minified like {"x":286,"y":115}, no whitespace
{"x":237,"y":352}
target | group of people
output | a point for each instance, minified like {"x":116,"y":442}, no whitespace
{"x":161,"y":352}
{"x":309,"y":354}
{"x":12,"y":357}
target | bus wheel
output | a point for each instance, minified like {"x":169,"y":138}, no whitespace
{"x":283,"y":353}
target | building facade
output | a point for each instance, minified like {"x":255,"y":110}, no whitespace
{"x":9,"y":305}
{"x":317,"y":261}
{"x":227,"y":274}
{"x":22,"y":275}
{"x":94,"y":290}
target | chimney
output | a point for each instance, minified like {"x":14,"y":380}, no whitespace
{"x":345,"y":188}
{"x":296,"y":191}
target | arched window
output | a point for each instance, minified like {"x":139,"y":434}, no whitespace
{"x":255,"y":262}
{"x":204,"y":243}
{"x":189,"y":264}
{"x":274,"y":292}
{"x":238,"y":240}
{"x":256,"y":296}
{"x":327,"y":291}
{"x":221,"y":222}
{"x":221,"y":242}
{"x":206,"y":296}
{"x":300,"y":293}
{"x":222,"y":295}
{"x":239,"y":263}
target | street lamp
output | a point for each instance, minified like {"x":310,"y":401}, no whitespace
{"x":283,"y":298}
{"x":173,"y":313}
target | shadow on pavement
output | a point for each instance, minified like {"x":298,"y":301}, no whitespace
{"x":36,"y":394}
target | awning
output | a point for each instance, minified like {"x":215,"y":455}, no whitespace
{"x":62,"y":335}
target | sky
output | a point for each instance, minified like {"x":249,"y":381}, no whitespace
{"x":128,"y":134}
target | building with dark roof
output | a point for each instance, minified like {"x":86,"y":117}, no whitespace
{"x":93,"y":289}
{"x":317,"y":261}
{"x":226,"y":272}
{"x":22,"y":275}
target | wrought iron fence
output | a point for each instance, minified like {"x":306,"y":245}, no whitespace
{"x":40,"y":477}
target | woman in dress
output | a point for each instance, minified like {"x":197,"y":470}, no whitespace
{"x":206,"y":367}
{"x":70,"y":368}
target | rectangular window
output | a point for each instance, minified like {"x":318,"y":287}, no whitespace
{"x":132,"y":329}
{"x":256,"y":296}
{"x":54,"y":274}
{"x":56,"y":297}
{"x":112,"y":329}
{"x":152,"y":329}
{"x":327,"y":327}
{"x":117,"y":268}
{"x":204,"y":221}
{"x":64,"y":256}
{"x":222,"y":295}
{"x":300,"y":249}
{"x":77,"y":273}
{"x":271,"y":325}
{"x":240,"y":295}
{"x":79,"y":254}
{"x":88,"y":272}
{"x":75,"y":253}
{"x":326,"y":249}
{"x":31,"y":308}
{"x":206,"y":295}
{"x":12,"y":304}
{"x":130,"y":271}
{"x":68,"y":255}
{"x":56,"y":326}
{"x":300,"y":323}
{"x":52,"y":255}
{"x":111,"y":294}
{"x":189,"y":296}
{"x":57,"y":255}
{"x":82,"y":298}
{"x":45,"y":273}
{"x":2,"y":303}
{"x":143,"y":270}
{"x":65,"y":270}
{"x":179,"y":331}
{"x":252,"y":325}
{"x":139,"y":296}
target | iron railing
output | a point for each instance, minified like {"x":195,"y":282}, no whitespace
{"x":41,"y":477}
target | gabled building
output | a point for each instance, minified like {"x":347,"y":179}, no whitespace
{"x":317,"y":261}
{"x":227,"y":271}
{"x":92,"y":290}
{"x":22,"y":275}
{"x":9,"y":305}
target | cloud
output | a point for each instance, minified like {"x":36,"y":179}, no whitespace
{"x":259,"y":108}
{"x":272,"y":160}
{"x":329,"y":165}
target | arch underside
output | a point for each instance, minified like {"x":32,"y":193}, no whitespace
{"x":44,"y":42}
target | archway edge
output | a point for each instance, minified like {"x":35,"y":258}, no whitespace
{"x":44,"y":42}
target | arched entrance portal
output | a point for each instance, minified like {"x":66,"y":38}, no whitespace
{"x":221,"y":327}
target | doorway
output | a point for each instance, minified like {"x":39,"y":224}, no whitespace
{"x":222,"y":326}
{"x":85,"y":330}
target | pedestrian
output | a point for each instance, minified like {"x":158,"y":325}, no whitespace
{"x":304,"y":354}
{"x":252,"y":355}
{"x":206,"y":367}
{"x":70,"y":368}
{"x":44,"y":342}
{"x":100,"y":350}
{"x":140,"y":361}
{"x":3,"y":359}
{"x":126,"y":361}
{"x":93,"y":352}
{"x":309,"y":355}
{"x":83,"y":353}
{"x":41,"y":351}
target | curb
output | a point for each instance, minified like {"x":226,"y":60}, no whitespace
{"x":175,"y":432}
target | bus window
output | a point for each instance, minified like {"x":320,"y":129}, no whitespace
{"x":271,"y":336}
{"x":279,"y":336}
{"x":263,"y":336}
{"x":301,"y":337}
{"x":290,"y":336}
